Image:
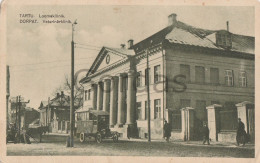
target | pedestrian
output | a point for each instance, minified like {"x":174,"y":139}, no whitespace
{"x":128,"y":132}
{"x":241,"y":133}
{"x":205,"y":131}
{"x":167,"y":131}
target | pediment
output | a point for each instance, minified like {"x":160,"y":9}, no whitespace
{"x":110,"y":59}
{"x":106,"y":58}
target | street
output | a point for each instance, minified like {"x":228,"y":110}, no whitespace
{"x":53,"y":145}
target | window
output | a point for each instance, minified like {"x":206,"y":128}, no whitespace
{"x":157,"y":73}
{"x":228,"y":117}
{"x":86,"y":95}
{"x":89,"y":94}
{"x":146,"y":76}
{"x":229,"y":77}
{"x":224,"y":40}
{"x":138,"y":79}
{"x":185,"y":70}
{"x":199,"y":74}
{"x":201,"y":112}
{"x":214,"y":102}
{"x":176,"y":120}
{"x":139,"y":110}
{"x":242,"y":79}
{"x":214,"y":76}
{"x":63,"y":125}
{"x":185,"y":103}
{"x":157,"y":108}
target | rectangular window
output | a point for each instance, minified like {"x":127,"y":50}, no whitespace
{"x":157,"y":108}
{"x":199,"y":74}
{"x":214,"y":75}
{"x":242,"y":79}
{"x":185,"y":103}
{"x":201,"y":111}
{"x":86,"y":94}
{"x":138,"y":79}
{"x":228,"y":117}
{"x":229,"y":77}
{"x":214,"y":102}
{"x":157,"y":73}
{"x":139,"y":110}
{"x":185,"y":70}
{"x":89,"y":94}
{"x":146,"y":76}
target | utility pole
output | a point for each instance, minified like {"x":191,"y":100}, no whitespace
{"x":16,"y":112}
{"x":19,"y":118}
{"x":71,"y":143}
{"x":47,"y":109}
{"x":148,"y":97}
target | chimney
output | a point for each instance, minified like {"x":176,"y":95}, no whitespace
{"x":122,"y":46}
{"x":58,"y":94}
{"x":62,"y":93}
{"x":227,"y":26}
{"x":130,"y":43}
{"x":172,"y":19}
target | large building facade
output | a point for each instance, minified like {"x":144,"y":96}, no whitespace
{"x":194,"y":75}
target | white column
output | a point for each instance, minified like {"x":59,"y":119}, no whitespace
{"x":213,"y":121}
{"x":113,"y":101}
{"x":94,"y":96}
{"x":121,"y":100}
{"x":131,"y":98}
{"x":100,"y":96}
{"x":106,"y":95}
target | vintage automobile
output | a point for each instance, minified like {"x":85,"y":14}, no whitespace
{"x":93,"y":123}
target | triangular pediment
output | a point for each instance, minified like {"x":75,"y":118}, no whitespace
{"x":107,"y":58}
{"x":110,"y":59}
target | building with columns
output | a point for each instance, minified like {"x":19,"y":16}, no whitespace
{"x":195,"y":76}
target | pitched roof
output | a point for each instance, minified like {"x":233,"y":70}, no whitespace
{"x":181,"y":33}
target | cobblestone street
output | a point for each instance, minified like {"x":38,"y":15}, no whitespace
{"x":55,"y":145}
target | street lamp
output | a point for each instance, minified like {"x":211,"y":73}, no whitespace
{"x":71,"y":144}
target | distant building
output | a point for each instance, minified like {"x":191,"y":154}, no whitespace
{"x":28,"y":114}
{"x":58,"y":113}
{"x":195,"y":76}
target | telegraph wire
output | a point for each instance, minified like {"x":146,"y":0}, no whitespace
{"x":88,"y":45}
{"x":46,"y":68}
{"x":48,"y":62}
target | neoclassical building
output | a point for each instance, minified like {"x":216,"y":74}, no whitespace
{"x":195,"y":76}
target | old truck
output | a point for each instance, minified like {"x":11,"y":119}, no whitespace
{"x":94,"y":123}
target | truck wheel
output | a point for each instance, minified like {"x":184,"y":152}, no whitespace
{"x":99,"y":138}
{"x":82,"y":137}
{"x":115,"y":138}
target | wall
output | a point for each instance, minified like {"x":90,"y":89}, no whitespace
{"x":207,"y":91}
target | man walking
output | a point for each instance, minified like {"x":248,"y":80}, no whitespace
{"x":205,"y":133}
{"x":241,"y":133}
{"x":167,"y":130}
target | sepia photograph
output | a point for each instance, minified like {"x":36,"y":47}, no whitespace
{"x":130,"y":80}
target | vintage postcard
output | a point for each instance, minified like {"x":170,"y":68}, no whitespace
{"x":158,"y":80}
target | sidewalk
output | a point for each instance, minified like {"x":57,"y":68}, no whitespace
{"x":197,"y":143}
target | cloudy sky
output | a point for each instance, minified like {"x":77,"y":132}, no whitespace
{"x":39,"y":54}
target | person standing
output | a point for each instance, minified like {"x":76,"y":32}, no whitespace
{"x":241,"y":133}
{"x":205,"y":134}
{"x":167,"y":131}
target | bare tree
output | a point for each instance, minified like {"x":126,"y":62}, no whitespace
{"x":66,"y":88}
